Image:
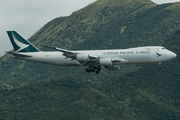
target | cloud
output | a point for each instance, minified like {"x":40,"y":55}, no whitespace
{"x":28,"y":16}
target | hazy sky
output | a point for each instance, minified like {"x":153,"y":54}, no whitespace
{"x":28,"y":16}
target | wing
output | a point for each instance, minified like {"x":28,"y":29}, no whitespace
{"x":86,"y":59}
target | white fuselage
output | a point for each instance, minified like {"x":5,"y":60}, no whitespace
{"x":137,"y":55}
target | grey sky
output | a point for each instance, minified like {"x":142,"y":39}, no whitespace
{"x":28,"y":16}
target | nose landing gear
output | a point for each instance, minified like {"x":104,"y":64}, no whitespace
{"x":159,"y":67}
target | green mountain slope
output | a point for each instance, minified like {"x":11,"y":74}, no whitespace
{"x":64,"y":99}
{"x":146,"y":94}
{"x":105,"y":24}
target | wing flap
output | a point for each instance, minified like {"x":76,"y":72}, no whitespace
{"x":94,"y":58}
{"x":117,"y":61}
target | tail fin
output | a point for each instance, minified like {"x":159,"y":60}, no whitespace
{"x":20,"y":44}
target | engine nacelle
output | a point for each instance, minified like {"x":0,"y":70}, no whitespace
{"x":113,"y":67}
{"x":105,"y":62}
{"x":83,"y":57}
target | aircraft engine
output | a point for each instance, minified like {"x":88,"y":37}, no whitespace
{"x":83,"y":57}
{"x":105,"y":62}
{"x":113,"y":67}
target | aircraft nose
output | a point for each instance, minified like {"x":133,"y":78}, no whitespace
{"x":172,"y":55}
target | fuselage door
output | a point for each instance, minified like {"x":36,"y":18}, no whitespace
{"x":157,"y":49}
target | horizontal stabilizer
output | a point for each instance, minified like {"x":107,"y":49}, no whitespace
{"x":18,"y":54}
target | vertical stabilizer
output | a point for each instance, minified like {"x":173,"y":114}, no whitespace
{"x":20,"y":44}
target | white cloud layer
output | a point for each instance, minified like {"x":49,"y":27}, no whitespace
{"x":28,"y":16}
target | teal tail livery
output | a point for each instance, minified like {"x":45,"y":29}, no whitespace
{"x":20,"y":44}
{"x":93,"y":60}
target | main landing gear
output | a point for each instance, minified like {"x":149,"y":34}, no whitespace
{"x":159,"y":67}
{"x":93,"y":69}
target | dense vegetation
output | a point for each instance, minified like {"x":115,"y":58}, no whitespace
{"x":37,"y":91}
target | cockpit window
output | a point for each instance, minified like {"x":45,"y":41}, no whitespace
{"x":163,"y":48}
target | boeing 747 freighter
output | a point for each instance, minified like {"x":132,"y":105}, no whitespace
{"x":93,"y":60}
